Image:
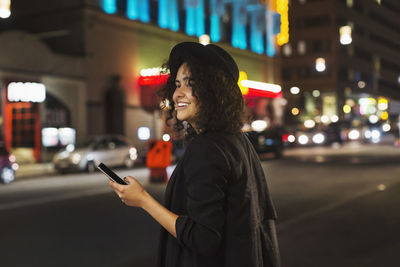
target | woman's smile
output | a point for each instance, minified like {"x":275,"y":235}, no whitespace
{"x":181,"y":105}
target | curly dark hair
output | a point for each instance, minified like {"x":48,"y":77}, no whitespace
{"x":221,"y":106}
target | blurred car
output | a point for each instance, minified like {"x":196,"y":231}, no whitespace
{"x":318,"y":136}
{"x":267,"y":141}
{"x":333,"y":134}
{"x":7,"y":165}
{"x":112,"y":150}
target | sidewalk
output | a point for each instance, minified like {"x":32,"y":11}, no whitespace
{"x":32,"y":170}
{"x":27,"y":170}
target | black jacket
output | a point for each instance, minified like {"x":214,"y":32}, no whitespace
{"x":226,"y":216}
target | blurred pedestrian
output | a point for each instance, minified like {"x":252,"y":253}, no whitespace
{"x":218,"y":210}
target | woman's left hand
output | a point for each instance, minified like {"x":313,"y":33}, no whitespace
{"x":132,"y":194}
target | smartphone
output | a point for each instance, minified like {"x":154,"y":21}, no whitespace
{"x":110,"y":174}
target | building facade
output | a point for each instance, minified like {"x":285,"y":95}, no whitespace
{"x":109,"y":43}
{"x":343,"y":62}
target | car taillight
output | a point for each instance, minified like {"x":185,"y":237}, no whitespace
{"x":285,"y":137}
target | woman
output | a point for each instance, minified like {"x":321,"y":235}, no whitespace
{"x":218,"y":210}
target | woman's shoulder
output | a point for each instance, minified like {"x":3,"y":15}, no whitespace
{"x":215,"y":141}
{"x":214,"y":137}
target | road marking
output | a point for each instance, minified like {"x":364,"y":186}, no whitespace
{"x":48,"y":199}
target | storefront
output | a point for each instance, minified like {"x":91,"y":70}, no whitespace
{"x":34,"y":121}
{"x":21,"y":115}
{"x":42,"y":98}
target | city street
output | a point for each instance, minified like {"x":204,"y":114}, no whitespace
{"x":336,"y":207}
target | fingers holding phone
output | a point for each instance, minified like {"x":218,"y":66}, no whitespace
{"x":132,"y":194}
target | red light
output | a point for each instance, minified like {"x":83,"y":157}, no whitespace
{"x":153,"y":80}
{"x":262,"y":93}
{"x":285,"y":137}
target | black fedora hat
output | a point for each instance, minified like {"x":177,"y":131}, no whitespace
{"x":210,"y":55}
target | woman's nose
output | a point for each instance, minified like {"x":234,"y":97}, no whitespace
{"x":178,"y":93}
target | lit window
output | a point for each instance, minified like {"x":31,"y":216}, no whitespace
{"x":345,"y":35}
{"x":309,"y":124}
{"x":5,"y":11}
{"x":287,"y":50}
{"x":320,"y":64}
{"x":349,"y":3}
{"x":143,"y":133}
{"x":301,"y":47}
{"x":316,"y":93}
{"x":294,"y":90}
{"x":361,"y":84}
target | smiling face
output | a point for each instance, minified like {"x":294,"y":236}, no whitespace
{"x":186,"y":103}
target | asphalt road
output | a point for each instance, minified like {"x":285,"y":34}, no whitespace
{"x":336,"y":207}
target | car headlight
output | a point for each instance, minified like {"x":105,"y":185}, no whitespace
{"x":318,"y":138}
{"x":303,"y":139}
{"x":132,"y":153}
{"x":354,"y":134}
{"x":76,"y":158}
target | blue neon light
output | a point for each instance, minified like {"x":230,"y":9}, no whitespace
{"x":200,"y":27}
{"x":239,"y":27}
{"x":270,"y":40}
{"x":190,"y":21}
{"x":163,"y":13}
{"x":132,"y":12}
{"x":173,"y":15}
{"x":195,"y":24}
{"x":138,"y":9}
{"x":256,"y":33}
{"x":215,"y":12}
{"x":215,"y":33}
{"x":144,"y":8}
{"x":168,"y":16}
{"x":110,"y":6}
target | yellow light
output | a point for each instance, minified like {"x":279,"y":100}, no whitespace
{"x":346,"y":109}
{"x":372,"y":101}
{"x":295,"y":111}
{"x":385,"y":115}
{"x":382,"y":103}
{"x":350,"y":102}
{"x":5,"y":10}
{"x":282,"y":7}
{"x":243,"y":89}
